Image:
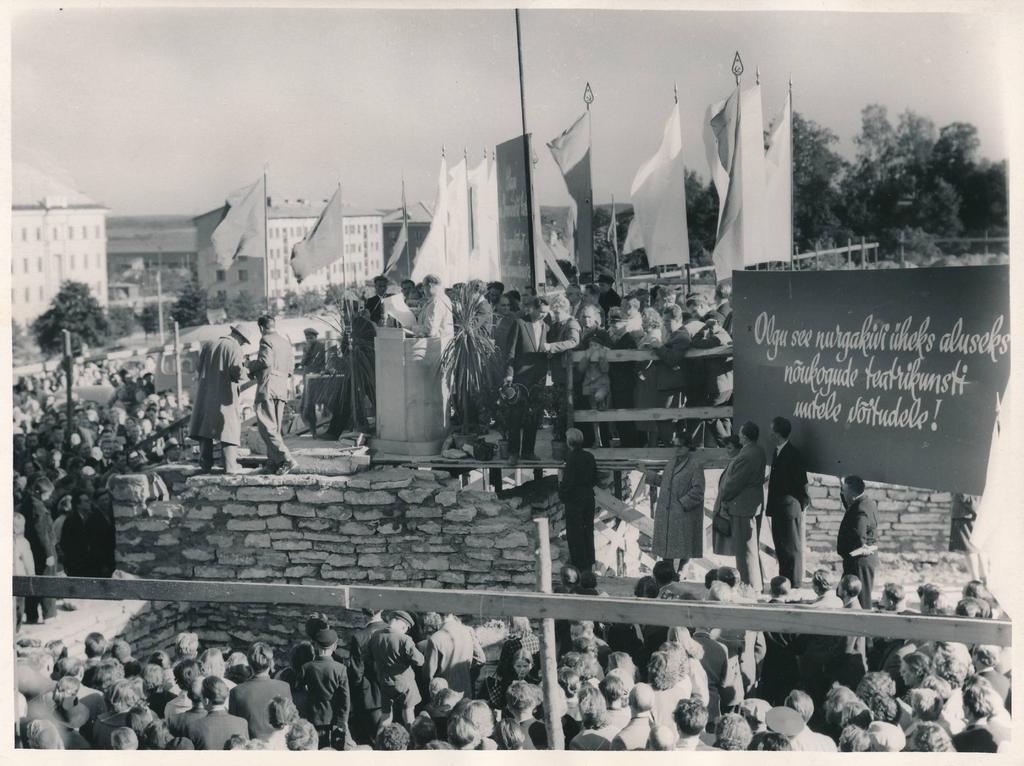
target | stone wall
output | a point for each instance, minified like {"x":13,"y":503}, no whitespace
{"x":400,"y":527}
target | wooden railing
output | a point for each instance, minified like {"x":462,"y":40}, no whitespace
{"x":485,"y":603}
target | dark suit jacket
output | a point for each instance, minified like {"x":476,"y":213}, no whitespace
{"x":858,"y":527}
{"x":670,"y":369}
{"x":788,"y":478}
{"x":621,"y":375}
{"x":742,"y":491}
{"x":364,"y":688}
{"x":562,"y":338}
{"x":528,"y":360}
{"x":39,"y":531}
{"x":327,"y":700}
{"x":250,"y":700}
{"x":214,"y":729}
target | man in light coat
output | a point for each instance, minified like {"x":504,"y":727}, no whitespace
{"x":215,"y":415}
{"x":273,"y":371}
{"x":451,"y":653}
{"x":742,"y":495}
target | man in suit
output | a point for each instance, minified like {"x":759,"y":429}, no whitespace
{"x":375,"y":303}
{"x":857,"y":534}
{"x":314,"y":360}
{"x":366,"y":715}
{"x":218,"y":726}
{"x":215,"y":414}
{"x":609,"y":298}
{"x":250,"y":700}
{"x":670,"y":369}
{"x":527,"y":367}
{"x":394,"y":657}
{"x":721,"y":684}
{"x":636,"y":733}
{"x":723,"y":299}
{"x":742,"y":495}
{"x":451,"y":654}
{"x":273,"y":370}
{"x":787,"y":498}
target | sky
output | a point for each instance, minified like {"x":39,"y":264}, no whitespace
{"x":166,"y":111}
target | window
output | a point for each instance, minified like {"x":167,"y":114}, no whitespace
{"x":40,"y":292}
{"x":28,"y":296}
{"x":39,"y":233}
{"x":71,"y":261}
{"x":24,"y":234}
{"x":243,"y":275}
{"x":71,"y":232}
{"x":24,"y":266}
{"x":98,"y":232}
{"x":85,"y":232}
{"x":85,"y":258}
{"x":220,"y":275}
{"x":39,"y":265}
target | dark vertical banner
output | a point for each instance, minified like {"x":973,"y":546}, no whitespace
{"x":513,"y":212}
{"x":893,"y":375}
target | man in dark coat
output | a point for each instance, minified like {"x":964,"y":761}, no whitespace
{"x":215,"y":415}
{"x":273,"y":372}
{"x":314,"y":360}
{"x":327,"y":696}
{"x":214,"y":729}
{"x":857,"y":534}
{"x":375,"y":303}
{"x":742,"y":495}
{"x":576,"y":491}
{"x":670,"y":369}
{"x":364,"y":688}
{"x":609,"y":298}
{"x":621,"y":375}
{"x":87,"y":539}
{"x":787,"y":498}
{"x":251,"y":700}
{"x":42,"y":539}
{"x":527,"y":368}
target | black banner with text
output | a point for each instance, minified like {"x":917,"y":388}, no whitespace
{"x":893,"y":375}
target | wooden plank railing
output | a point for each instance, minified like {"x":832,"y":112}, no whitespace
{"x":484,"y":603}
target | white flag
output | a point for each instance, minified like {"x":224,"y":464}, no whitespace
{"x":483,"y":188}
{"x":243,"y":231}
{"x":458,"y":224}
{"x":323,"y":245}
{"x":431,"y":257}
{"x":734,"y":141}
{"x":634,"y":236}
{"x":659,"y":200}
{"x":778,"y":173}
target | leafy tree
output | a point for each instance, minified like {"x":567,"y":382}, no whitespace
{"x":243,"y":308}
{"x":334,"y":295}
{"x":311,"y":300}
{"x":190,"y":308}
{"x":73,"y":308}
{"x":701,"y":218}
{"x":983,"y":200}
{"x":817,"y":171}
{"x":150,"y":318}
{"x":21,"y":343}
{"x":121,"y":321}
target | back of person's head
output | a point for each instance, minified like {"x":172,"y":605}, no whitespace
{"x":122,"y":697}
{"x":281,"y":712}
{"x":850,"y":586}
{"x":821,"y":581}
{"x":510,"y":735}
{"x":801,"y":702}
{"x":779,"y":587}
{"x":42,"y":734}
{"x":641,"y":698}
{"x":836,"y":698}
{"x":664,"y":572}
{"x":104,"y":675}
{"x":153,"y":679}
{"x":720,"y":592}
{"x":123,"y":738}
{"x":876,"y":682}
{"x":646,"y":587}
{"x":67,"y":666}
{"x":929,"y":737}
{"x":462,"y":734}
{"x":892,"y":595}
{"x":977,"y":589}
{"x":751,"y":431}
{"x":422,"y":731}
{"x":212,"y":663}
{"x":95,"y":645}
{"x":236,"y":742}
{"x":782,"y":427}
{"x":215,"y":691}
{"x":662,"y":672}
{"x":156,"y":736}
{"x":986,"y":656}
{"x":569,"y":680}
{"x":520,"y":697}
{"x":186,"y":645}
{"x":729,"y":575}
{"x":855,"y":484}
{"x":392,"y":737}
{"x":589,"y":667}
{"x":583,"y":645}
{"x":855,"y":713}
{"x":953,"y":667}
{"x":66,"y":690}
{"x":710,"y":577}
{"x":479,"y":713}
{"x":691,"y":717}
{"x":930,"y":685}
{"x":663,"y":738}
{"x":260,"y":658}
{"x":120,"y":650}
{"x":186,"y":672}
{"x":614,"y":690}
{"x":301,"y":735}
{"x":569,"y":575}
{"x":161,"y":658}
{"x":301,"y":653}
{"x":139,"y":717}
{"x":973,"y":607}
{"x":931,"y":598}
{"x":770,"y":741}
{"x":732,"y":732}
{"x":979,"y":697}
{"x":57,"y":648}
{"x":593,"y":708}
{"x":854,"y":739}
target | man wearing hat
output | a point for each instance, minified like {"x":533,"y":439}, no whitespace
{"x":215,"y":414}
{"x":273,"y":371}
{"x":394,"y":656}
{"x":314,"y":359}
{"x":609,"y":298}
{"x":326,"y":682}
{"x":65,"y":710}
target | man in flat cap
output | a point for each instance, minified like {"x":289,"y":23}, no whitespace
{"x":273,"y":371}
{"x":215,"y":415}
{"x":314,"y":359}
{"x":394,"y":657}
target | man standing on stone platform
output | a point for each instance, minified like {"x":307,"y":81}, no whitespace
{"x":314,"y":360}
{"x":273,"y":371}
{"x":857,"y":536}
{"x":215,"y":415}
{"x":787,"y":498}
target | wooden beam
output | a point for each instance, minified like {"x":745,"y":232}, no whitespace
{"x":607,"y":501}
{"x":709,"y":457}
{"x":652,"y":413}
{"x":646,"y":355}
{"x":785,"y":619}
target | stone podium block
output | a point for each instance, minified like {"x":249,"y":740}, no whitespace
{"x":412,"y":399}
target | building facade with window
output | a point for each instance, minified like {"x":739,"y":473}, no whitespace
{"x":58,"y":235}
{"x":360,"y":256}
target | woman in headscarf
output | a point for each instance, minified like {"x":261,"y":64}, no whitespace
{"x":679,"y":516}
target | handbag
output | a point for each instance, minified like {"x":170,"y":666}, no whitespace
{"x":722,"y":524}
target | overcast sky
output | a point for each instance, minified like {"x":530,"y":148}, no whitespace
{"x":165,"y":111}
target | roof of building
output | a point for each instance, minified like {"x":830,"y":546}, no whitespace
{"x":151,"y":234}
{"x":32,"y":188}
{"x":419,"y":212}
{"x":304,"y":208}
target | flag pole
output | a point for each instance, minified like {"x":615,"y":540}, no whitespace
{"x":469,"y":208}
{"x":792,"y":162}
{"x":341,"y":238}
{"x":675,"y":100}
{"x":445,"y":222}
{"x":266,"y":238}
{"x":534,"y":277}
{"x":405,"y":225}
{"x":588,"y":99}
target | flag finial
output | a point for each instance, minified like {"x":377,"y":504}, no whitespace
{"x":757,"y":75}
{"x":737,"y":67}
{"x":442,"y":150}
{"x":588,"y":96}
{"x":791,"y":83}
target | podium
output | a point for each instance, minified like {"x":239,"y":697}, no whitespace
{"x":412,"y":399}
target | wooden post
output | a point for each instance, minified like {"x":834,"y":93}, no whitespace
{"x":792,"y":259}
{"x":570,"y":414}
{"x":849,"y":251}
{"x":986,"y":241}
{"x":549,"y":671}
{"x":863,"y":254}
{"x":69,"y":373}
{"x":177,"y":362}
{"x":817,"y":258}
{"x":902,"y":258}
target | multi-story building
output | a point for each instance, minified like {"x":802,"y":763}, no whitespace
{"x":58,"y":235}
{"x":419,"y":217}
{"x":150,"y":242}
{"x":360,"y":256}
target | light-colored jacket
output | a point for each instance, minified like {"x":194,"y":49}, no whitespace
{"x":215,"y":410}
{"x":274,"y":365}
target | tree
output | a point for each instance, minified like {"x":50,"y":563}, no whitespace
{"x":150,"y":318}
{"x":817,"y":171}
{"x":21,"y":343}
{"x":311,"y":300}
{"x":334,"y":295}
{"x":243,"y":308}
{"x":701,"y":218}
{"x":190,"y":308}
{"x":121,"y":321}
{"x":73,"y":308}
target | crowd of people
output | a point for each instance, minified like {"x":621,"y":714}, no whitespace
{"x":423,"y":683}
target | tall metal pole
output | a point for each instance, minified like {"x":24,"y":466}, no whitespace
{"x":160,"y":293}
{"x":177,"y":363}
{"x":408,"y":234}
{"x":266,"y":240}
{"x":792,"y":191}
{"x":534,"y":276}
{"x":549,"y":672}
